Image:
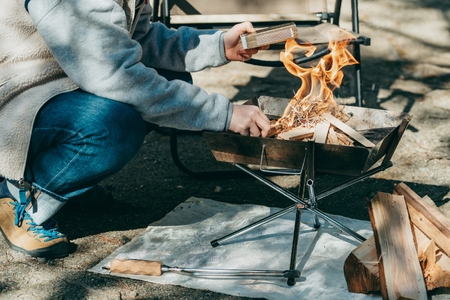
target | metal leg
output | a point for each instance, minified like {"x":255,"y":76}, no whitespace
{"x":293,"y":264}
{"x":292,"y":197}
{"x":310,"y":183}
{"x":292,"y":274}
{"x":245,"y":229}
{"x":352,"y":181}
{"x":301,"y":193}
{"x":313,"y":201}
{"x":307,"y":206}
{"x":306,"y":181}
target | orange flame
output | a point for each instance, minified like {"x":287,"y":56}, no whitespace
{"x":315,"y":95}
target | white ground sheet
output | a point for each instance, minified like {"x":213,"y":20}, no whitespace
{"x":182,"y":238}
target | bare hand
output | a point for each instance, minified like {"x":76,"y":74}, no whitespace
{"x":233,"y":45}
{"x":249,"y":120}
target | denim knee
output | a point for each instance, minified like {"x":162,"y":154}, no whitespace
{"x":119,"y":130}
{"x":79,"y":139}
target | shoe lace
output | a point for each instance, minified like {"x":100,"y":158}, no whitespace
{"x":47,"y":231}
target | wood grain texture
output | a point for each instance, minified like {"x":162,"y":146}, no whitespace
{"x":361,"y":268}
{"x":400,"y":272}
{"x":427,"y":217}
{"x":349,"y":131}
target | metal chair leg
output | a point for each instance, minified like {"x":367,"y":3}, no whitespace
{"x":197,"y":174}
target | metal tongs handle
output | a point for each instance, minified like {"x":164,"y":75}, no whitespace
{"x":156,"y":268}
{"x":208,"y":272}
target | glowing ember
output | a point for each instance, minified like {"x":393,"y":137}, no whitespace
{"x":315,"y":95}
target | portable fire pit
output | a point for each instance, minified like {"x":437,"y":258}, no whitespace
{"x":383,"y":128}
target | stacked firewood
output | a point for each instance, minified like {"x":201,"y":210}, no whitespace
{"x":409,"y":253}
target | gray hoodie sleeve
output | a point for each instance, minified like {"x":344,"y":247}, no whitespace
{"x":185,"y":49}
{"x":90,"y":41}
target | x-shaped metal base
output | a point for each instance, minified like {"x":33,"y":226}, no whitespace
{"x":301,"y":203}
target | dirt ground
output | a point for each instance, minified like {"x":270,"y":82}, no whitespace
{"x":407,"y":68}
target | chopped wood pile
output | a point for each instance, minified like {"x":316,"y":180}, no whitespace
{"x":409,"y":253}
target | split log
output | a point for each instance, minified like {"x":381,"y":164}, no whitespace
{"x":361,"y":268}
{"x":362,"y":273}
{"x":435,"y":264}
{"x":400,"y":272}
{"x":332,"y":137}
{"x":321,"y":132}
{"x":297,"y":134}
{"x":427,"y":217}
{"x":426,"y":248}
{"x":349,"y":131}
{"x":274,"y":129}
{"x":432,"y":226}
{"x":344,"y":139}
{"x":438,"y":275}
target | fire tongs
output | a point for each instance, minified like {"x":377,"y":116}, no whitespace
{"x":157,"y":268}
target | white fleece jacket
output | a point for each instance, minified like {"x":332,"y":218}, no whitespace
{"x":61,"y":45}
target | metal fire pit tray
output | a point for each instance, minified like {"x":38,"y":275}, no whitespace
{"x":383,"y":128}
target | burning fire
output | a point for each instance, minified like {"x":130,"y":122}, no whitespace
{"x":315,"y":95}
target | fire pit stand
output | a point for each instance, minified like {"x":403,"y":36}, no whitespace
{"x":384,"y":128}
{"x":301,"y":203}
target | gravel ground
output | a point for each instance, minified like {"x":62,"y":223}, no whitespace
{"x":407,"y":68}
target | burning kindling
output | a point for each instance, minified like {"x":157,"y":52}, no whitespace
{"x":313,"y":112}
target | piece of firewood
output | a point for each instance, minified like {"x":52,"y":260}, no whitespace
{"x":321,"y":132}
{"x":430,"y":201}
{"x":274,"y":129}
{"x":427,"y":217}
{"x":426,"y":250}
{"x":296,"y":133}
{"x":438,"y":276}
{"x":332,"y":137}
{"x":435,"y":264}
{"x":400,"y":272}
{"x":361,"y":268}
{"x":349,"y":131}
{"x":344,"y":139}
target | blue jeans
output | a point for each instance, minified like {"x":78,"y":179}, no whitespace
{"x":78,"y":139}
